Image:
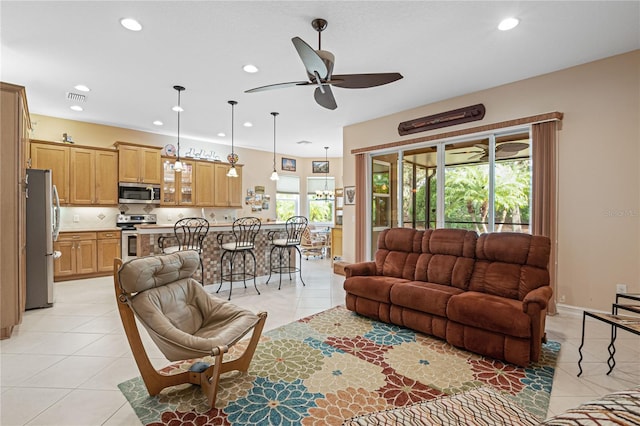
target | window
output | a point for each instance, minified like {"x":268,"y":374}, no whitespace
{"x":320,"y":200}
{"x":477,"y":194}
{"x":287,"y":197}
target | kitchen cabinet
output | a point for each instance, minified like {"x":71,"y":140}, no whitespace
{"x":139,"y":163}
{"x":79,"y":251}
{"x":14,"y":135}
{"x":54,"y":156}
{"x":177,"y":187}
{"x":227,"y":190}
{"x":108,"y":249}
{"x":93,"y":176}
{"x":86,"y":254}
{"x":83,"y":175}
{"x":204,"y":177}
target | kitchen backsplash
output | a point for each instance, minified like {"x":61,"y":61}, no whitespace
{"x":105,"y":217}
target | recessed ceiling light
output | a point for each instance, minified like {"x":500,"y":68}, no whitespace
{"x":222,"y":135}
{"x":76,"y":107}
{"x":158,"y":123}
{"x":250,"y":68}
{"x":82,"y":88}
{"x":131,"y":24}
{"x":508,"y":24}
{"x":177,"y":108}
{"x":248,"y":124}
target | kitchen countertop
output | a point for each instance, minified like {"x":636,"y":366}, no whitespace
{"x":213,"y":226}
{"x":105,"y":229}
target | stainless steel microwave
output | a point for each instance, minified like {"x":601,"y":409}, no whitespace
{"x":138,"y":193}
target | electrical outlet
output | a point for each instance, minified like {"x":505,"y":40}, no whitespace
{"x":76,"y":218}
{"x":561,"y":299}
{"x":621,"y":288}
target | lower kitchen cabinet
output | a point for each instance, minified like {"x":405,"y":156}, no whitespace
{"x":85,"y":254}
{"x":108,"y":249}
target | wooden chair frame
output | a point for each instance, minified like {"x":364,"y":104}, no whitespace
{"x":155,"y":380}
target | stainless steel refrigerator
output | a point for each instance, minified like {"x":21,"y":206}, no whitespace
{"x":43,"y":225}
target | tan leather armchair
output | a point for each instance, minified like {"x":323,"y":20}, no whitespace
{"x":182,"y":319}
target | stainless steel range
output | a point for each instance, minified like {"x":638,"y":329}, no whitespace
{"x":127,"y":223}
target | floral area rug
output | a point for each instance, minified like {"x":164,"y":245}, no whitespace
{"x":335,"y":365}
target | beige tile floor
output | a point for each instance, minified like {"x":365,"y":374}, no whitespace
{"x":62,"y":364}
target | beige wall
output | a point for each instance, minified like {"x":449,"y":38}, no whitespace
{"x":256,"y":170}
{"x":599,"y":159}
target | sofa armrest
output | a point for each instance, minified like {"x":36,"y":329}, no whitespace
{"x":360,"y":269}
{"x":540,"y":296}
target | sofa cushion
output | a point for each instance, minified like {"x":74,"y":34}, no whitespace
{"x":489,"y":312}
{"x":376,"y":288}
{"x":398,"y":252}
{"x":510,"y":264}
{"x":423,"y":297}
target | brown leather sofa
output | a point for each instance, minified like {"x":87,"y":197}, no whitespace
{"x":487,"y":294}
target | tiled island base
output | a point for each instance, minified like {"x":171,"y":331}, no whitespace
{"x":148,"y":245}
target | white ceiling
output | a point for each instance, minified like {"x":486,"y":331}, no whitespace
{"x":443,"y":49}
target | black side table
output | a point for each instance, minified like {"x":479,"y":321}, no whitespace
{"x":628,"y":323}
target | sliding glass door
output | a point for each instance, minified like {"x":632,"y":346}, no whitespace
{"x":481,"y":183}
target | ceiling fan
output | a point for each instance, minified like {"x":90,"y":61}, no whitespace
{"x":319,"y":65}
{"x":503,"y":150}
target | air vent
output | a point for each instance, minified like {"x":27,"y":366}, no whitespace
{"x":76,"y":97}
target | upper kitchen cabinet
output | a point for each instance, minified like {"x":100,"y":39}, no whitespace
{"x":139,"y":163}
{"x":54,"y":156}
{"x":205,"y":176}
{"x":83,"y":175}
{"x":93,"y":176}
{"x":227,"y":190}
{"x":14,"y":135}
{"x":177,"y":187}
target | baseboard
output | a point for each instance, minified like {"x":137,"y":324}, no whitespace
{"x":576,"y":311}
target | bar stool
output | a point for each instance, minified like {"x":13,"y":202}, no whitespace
{"x":294,"y":228}
{"x":189,"y":233}
{"x":241,"y":240}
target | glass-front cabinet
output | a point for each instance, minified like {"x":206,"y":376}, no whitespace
{"x":177,"y":187}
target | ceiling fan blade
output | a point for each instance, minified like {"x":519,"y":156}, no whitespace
{"x":505,"y":154}
{"x":362,"y":81}
{"x":311,"y":60}
{"x":514,"y":147}
{"x":277,"y":86}
{"x":479,"y":156}
{"x":325,"y":99}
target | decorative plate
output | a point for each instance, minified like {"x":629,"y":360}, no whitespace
{"x":170,"y":150}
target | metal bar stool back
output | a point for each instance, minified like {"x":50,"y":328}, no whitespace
{"x":189,"y":234}
{"x":241,"y":240}
{"x":294,"y":230}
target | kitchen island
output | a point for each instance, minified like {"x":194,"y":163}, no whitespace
{"x":148,"y":245}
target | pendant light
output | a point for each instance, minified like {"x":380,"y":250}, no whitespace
{"x":178,"y":164}
{"x":233,"y":157}
{"x":325,"y":194}
{"x":274,"y":175}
